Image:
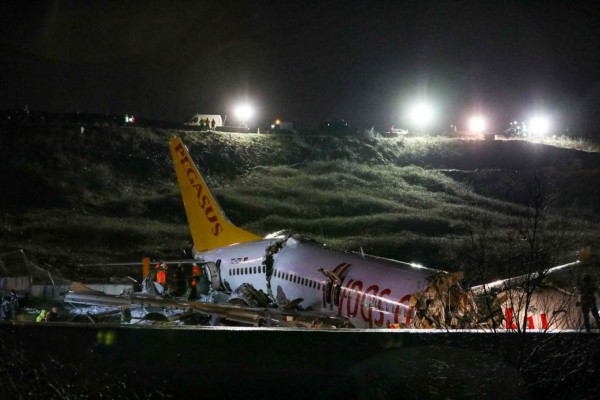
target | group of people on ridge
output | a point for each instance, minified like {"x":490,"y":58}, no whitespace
{"x":206,"y":124}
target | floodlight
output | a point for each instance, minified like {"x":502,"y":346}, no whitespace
{"x":243,"y":112}
{"x":421,"y":114}
{"x":477,"y":124}
{"x":539,"y":125}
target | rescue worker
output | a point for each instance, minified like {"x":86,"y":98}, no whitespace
{"x":41,"y":316}
{"x":588,"y":289}
{"x":161,"y":274}
{"x":196,"y":273}
{"x":4,"y":309}
{"x":52,"y":315}
{"x":14,"y":304}
{"x":212,"y":124}
{"x":125,"y":315}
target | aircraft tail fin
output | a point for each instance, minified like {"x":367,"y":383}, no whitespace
{"x":209,"y":225}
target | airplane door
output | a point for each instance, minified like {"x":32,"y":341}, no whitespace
{"x":328,"y":291}
{"x":337,"y":290}
{"x":333,"y":288}
{"x":333,"y":291}
{"x":213,"y":273}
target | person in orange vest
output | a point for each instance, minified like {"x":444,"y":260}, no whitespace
{"x":161,"y":274}
{"x":196,"y":273}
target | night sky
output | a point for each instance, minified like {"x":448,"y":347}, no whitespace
{"x":306,"y":62}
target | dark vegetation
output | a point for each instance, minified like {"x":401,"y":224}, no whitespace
{"x":109,"y":193}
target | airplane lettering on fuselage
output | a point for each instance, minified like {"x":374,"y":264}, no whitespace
{"x":361,"y":303}
{"x":203,"y":200}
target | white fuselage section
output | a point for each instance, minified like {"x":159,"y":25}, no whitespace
{"x":371,"y":292}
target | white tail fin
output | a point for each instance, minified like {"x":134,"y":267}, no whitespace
{"x":209,"y":225}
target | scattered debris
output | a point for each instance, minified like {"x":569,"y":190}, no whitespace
{"x":444,"y":304}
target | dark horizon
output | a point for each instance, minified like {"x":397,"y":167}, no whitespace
{"x":306,"y":62}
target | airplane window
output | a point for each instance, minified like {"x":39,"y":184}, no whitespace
{"x":246,"y":270}
{"x":264,"y":269}
{"x":255,"y":270}
{"x":295,"y":279}
{"x":302,"y":281}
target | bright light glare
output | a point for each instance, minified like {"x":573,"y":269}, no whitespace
{"x":539,"y":125}
{"x":477,"y":124}
{"x":243,"y":112}
{"x":421,"y":115}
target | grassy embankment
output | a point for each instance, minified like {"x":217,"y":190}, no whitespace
{"x":110,"y":194}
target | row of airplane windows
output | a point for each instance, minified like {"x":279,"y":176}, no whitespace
{"x":277,"y":273}
{"x":297,"y":279}
{"x":248,"y":270}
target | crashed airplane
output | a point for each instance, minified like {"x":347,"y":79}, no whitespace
{"x":331,"y":287}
